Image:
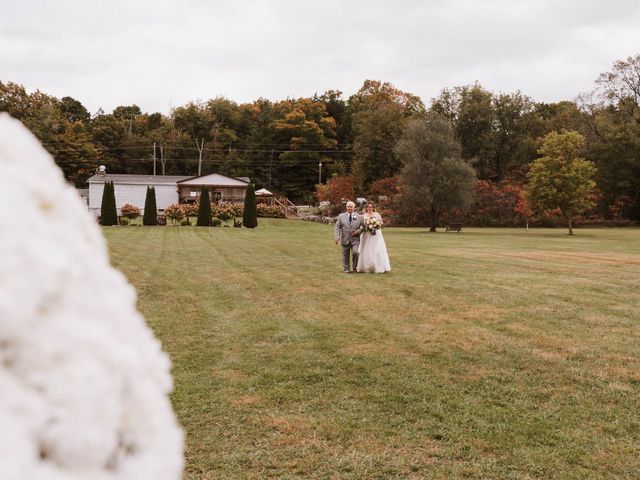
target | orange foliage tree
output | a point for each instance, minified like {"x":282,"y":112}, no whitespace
{"x":337,"y":190}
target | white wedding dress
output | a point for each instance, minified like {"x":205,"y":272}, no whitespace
{"x":373,"y":256}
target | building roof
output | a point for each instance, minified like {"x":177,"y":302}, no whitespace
{"x":138,"y":179}
{"x":215,"y":179}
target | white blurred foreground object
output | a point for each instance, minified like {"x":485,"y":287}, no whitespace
{"x":84,"y":384}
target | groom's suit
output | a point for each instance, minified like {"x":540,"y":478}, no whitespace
{"x":347,"y":224}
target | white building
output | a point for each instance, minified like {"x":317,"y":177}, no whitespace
{"x":222,"y":189}
{"x":132,"y":189}
{"x":170,"y":189}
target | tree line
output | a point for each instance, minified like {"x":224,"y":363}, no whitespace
{"x":281,"y":144}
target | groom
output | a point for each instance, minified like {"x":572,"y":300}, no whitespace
{"x":347,"y":232}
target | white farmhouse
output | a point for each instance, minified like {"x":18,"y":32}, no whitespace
{"x":170,"y":189}
{"x":132,"y":189}
{"x":222,"y":189}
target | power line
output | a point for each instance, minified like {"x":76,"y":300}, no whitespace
{"x":232,"y":146}
{"x":219,"y":150}
{"x":255,"y":162}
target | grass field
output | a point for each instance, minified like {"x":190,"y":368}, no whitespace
{"x":491,"y":353}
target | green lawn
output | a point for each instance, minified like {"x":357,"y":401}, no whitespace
{"x":491,"y":353}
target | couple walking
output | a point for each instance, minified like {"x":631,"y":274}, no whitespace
{"x":361,"y":239}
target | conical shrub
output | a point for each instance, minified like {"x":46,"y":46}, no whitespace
{"x":108,"y":211}
{"x":150,"y":216}
{"x":204,"y":211}
{"x":250,"y":215}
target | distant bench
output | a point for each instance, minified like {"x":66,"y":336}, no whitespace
{"x":454,"y":227}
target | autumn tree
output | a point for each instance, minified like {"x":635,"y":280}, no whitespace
{"x":435,"y":178}
{"x":387,"y":195}
{"x":305,"y":128}
{"x":613,"y":111}
{"x":523,"y":207}
{"x":620,"y":87}
{"x":560,"y":178}
{"x":336,"y":191}
{"x":494,"y":203}
{"x":75,"y":153}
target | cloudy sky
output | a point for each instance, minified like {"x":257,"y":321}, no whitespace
{"x":163,"y":53}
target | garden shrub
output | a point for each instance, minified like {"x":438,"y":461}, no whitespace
{"x":190,"y":209}
{"x":250,"y":217}
{"x":269,"y":211}
{"x":108,"y":211}
{"x":130,"y":211}
{"x":174,"y":212}
{"x":227,"y":211}
{"x":204,"y":210}
{"x":150,"y":216}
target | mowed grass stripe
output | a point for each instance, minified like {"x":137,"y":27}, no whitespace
{"x":493,"y":353}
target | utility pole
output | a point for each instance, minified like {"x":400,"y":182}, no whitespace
{"x":319,"y":173}
{"x":163,"y":160}
{"x":154,"y":158}
{"x":200,"y":149}
{"x":270,"y":162}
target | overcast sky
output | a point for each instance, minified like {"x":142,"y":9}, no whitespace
{"x":161,"y":54}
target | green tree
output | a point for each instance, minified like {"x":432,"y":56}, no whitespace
{"x":497,"y":132}
{"x":108,"y":211}
{"x":379,"y":112}
{"x":471,"y":111}
{"x":336,"y":108}
{"x":150,"y":216}
{"x":198,"y":124}
{"x":256,"y":119}
{"x":74,"y":111}
{"x":126,"y":114}
{"x":250,"y":215}
{"x":561,"y":178}
{"x":517,"y":128}
{"x":435,"y":178}
{"x":204,"y":210}
{"x":108,"y":137}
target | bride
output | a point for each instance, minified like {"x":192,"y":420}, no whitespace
{"x":373,"y":251}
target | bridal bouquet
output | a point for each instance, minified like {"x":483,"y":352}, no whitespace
{"x":372,"y":224}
